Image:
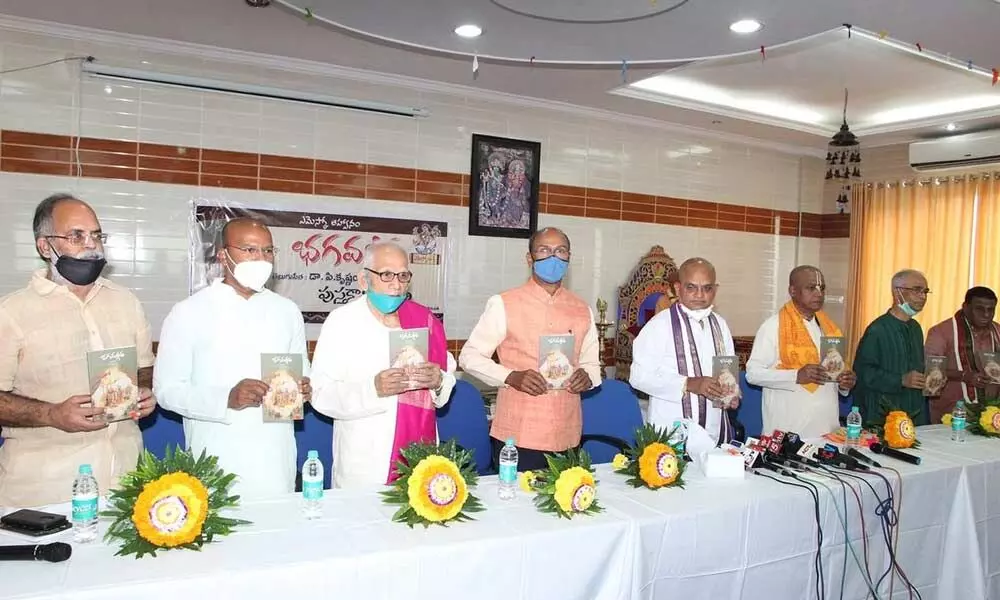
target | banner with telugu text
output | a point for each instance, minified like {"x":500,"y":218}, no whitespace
{"x":319,"y":256}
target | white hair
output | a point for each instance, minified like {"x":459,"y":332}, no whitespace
{"x":370,"y":251}
{"x":901,"y":276}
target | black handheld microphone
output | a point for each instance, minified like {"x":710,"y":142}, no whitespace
{"x":862,"y":457}
{"x":892,"y":453}
{"x":55,"y":552}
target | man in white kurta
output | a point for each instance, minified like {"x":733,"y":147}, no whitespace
{"x":655,"y":368}
{"x":208,"y":366}
{"x":798,"y":397}
{"x":351,"y":376}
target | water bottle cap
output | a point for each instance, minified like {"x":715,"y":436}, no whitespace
{"x":312,"y":454}
{"x":86,"y":470}
{"x":854,"y":409}
{"x":510,"y":441}
{"x":960,"y":404}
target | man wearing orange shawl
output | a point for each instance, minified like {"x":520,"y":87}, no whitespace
{"x":785,"y":361}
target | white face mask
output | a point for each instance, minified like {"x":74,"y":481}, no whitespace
{"x":252,"y":274}
{"x":698,"y":314}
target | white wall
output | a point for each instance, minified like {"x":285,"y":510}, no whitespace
{"x":148,"y":248}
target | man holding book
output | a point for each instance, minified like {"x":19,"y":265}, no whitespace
{"x":890,"y":356}
{"x":797,"y":358}
{"x":684,"y":358}
{"x":538,"y":403}
{"x":216,"y":348}
{"x":67,"y":311}
{"x":381,"y":368}
{"x":970,"y":342}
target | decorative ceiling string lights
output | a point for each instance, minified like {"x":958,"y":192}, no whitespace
{"x":843,"y":159}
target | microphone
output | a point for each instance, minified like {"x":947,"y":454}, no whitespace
{"x":830,"y":454}
{"x":878,"y":448}
{"x":54,"y":552}
{"x":862,"y":457}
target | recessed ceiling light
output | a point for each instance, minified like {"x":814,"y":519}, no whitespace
{"x":951,"y":127}
{"x":746,"y":26}
{"x":469,"y":31}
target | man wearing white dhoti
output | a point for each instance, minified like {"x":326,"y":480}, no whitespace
{"x":208,"y":366}
{"x":672,"y":356}
{"x":379,"y":409}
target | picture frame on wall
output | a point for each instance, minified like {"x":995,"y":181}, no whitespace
{"x":504,"y":187}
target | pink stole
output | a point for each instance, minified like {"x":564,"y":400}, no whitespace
{"x":416,"y":420}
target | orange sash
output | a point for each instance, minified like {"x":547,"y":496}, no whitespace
{"x":796,"y":348}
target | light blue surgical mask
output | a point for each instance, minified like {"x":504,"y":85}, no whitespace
{"x":385,"y":303}
{"x":551,"y":269}
{"x":906,"y":308}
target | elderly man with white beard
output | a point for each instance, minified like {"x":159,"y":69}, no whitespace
{"x":46,"y":329}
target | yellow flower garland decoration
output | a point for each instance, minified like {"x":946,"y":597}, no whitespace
{"x":567,"y":488}
{"x":171,"y":503}
{"x":899,"y":431}
{"x":435,"y":490}
{"x":654,"y":462}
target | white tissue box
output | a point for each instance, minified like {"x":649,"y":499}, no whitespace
{"x":725,"y":462}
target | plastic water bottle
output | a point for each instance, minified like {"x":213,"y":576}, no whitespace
{"x":958,"y":422}
{"x":85,"y":495}
{"x":853,"y":428}
{"x":312,"y":486}
{"x":508,"y":470}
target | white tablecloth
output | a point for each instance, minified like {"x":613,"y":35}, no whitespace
{"x":749,"y":539}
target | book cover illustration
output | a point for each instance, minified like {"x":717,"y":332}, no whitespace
{"x":407,"y":347}
{"x":114,"y":385}
{"x":934,"y":375}
{"x":726,"y":371}
{"x":831,"y":351}
{"x":283,"y":400}
{"x":554,"y":362}
{"x":991,"y":365}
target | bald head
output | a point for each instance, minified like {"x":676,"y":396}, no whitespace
{"x":807,"y":289}
{"x":383,"y":252}
{"x":696,"y":285}
{"x":695,"y":265}
{"x":552,"y":237}
{"x":236,"y":229}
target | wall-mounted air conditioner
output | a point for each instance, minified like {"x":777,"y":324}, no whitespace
{"x":245,"y":89}
{"x":969,"y":150}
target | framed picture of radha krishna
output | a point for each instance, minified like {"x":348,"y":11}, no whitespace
{"x":503,"y":187}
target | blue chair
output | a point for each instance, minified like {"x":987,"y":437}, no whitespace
{"x":749,"y":413}
{"x":611,"y":415}
{"x":162,"y":429}
{"x":464,"y":420}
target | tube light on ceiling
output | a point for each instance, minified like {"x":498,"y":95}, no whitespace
{"x":246,"y":89}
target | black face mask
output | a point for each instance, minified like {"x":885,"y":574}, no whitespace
{"x":79,"y":271}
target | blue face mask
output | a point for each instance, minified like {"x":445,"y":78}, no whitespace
{"x":385,"y":303}
{"x":551,"y":269}
{"x":906,"y":308}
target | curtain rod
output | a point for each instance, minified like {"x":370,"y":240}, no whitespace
{"x":934,"y":180}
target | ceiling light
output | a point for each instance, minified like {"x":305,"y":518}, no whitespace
{"x":746,"y":26}
{"x":951,"y":127}
{"x":469,"y":31}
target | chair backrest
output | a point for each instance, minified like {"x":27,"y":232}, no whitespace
{"x":611,"y":409}
{"x":464,"y":420}
{"x":749,"y":413}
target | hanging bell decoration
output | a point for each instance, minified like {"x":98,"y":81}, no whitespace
{"x":843,"y":154}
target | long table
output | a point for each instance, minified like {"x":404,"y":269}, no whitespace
{"x":747,"y":538}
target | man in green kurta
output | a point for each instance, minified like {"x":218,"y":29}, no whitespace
{"x":890,"y":358}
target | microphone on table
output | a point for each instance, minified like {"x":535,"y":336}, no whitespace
{"x":54,"y":552}
{"x":831,"y":455}
{"x":862,"y":457}
{"x":878,"y":448}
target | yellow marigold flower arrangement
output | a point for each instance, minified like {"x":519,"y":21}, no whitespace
{"x":567,"y":488}
{"x":655,"y":461}
{"x":899,"y":431}
{"x":983,"y":417}
{"x":527,"y":480}
{"x":435,"y":490}
{"x":619,"y":462}
{"x":990,"y":420}
{"x":171,"y":503}
{"x":946,"y":420}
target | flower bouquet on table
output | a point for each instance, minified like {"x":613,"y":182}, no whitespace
{"x":655,"y":461}
{"x":566,"y":488}
{"x":170,"y":503}
{"x":896,"y":428}
{"x":982,"y":418}
{"x":435,"y":489}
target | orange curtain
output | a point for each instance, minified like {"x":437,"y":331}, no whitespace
{"x":927,"y":227}
{"x":986,"y":258}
